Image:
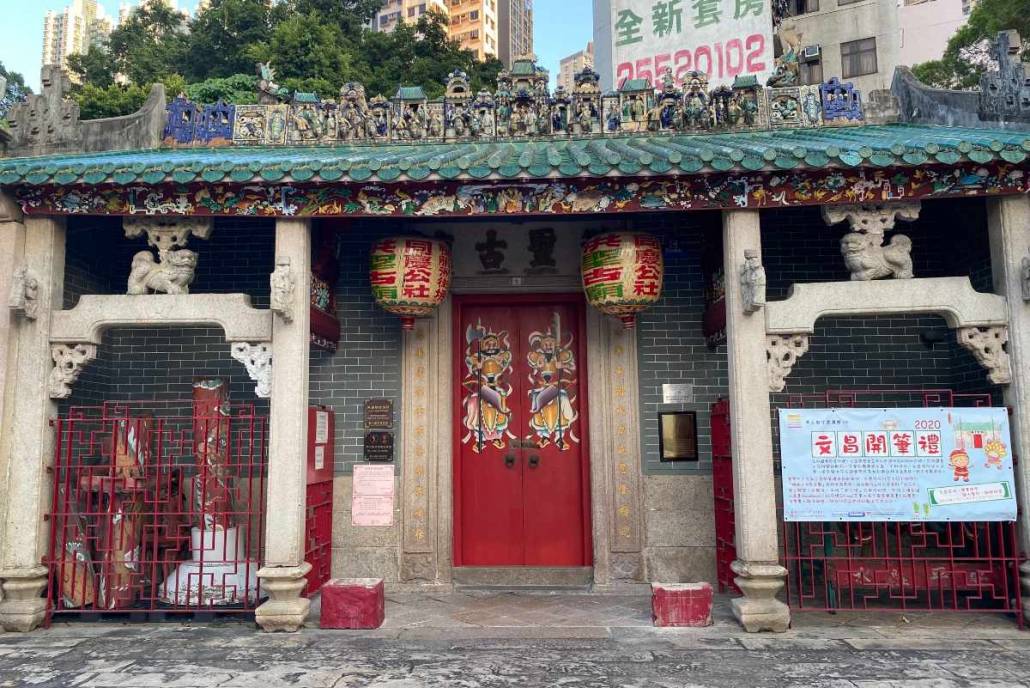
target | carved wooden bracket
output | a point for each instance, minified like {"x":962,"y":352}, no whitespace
{"x":782,"y":352}
{"x":257,"y":359}
{"x":987,"y":344}
{"x":69,"y":360}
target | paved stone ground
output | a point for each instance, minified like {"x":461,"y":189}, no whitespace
{"x":481,"y":640}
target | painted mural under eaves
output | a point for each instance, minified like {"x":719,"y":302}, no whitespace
{"x":520,"y":108}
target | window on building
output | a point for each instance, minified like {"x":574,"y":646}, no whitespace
{"x":474,"y":15}
{"x":796,"y":7}
{"x":812,"y":72}
{"x":858,"y":58}
{"x":411,"y":11}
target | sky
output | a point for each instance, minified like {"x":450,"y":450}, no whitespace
{"x":561,"y":27}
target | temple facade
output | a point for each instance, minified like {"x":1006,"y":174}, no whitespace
{"x":558,"y":327}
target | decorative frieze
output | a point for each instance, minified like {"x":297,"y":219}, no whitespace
{"x":257,"y":359}
{"x":865,"y":254}
{"x":782,"y":352}
{"x":283,"y":286}
{"x":173,"y":271}
{"x":752,"y":282}
{"x":24,"y":294}
{"x":69,"y":360}
{"x":987,"y":344}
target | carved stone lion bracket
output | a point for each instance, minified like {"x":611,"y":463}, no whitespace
{"x":69,"y":360}
{"x":987,"y":344}
{"x":283,"y":285}
{"x":865,"y":254}
{"x":173,"y":271}
{"x":24,"y":294}
{"x":782,"y":352}
{"x":257,"y":359}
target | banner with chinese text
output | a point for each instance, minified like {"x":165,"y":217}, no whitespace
{"x":909,"y":464}
{"x":722,"y":38}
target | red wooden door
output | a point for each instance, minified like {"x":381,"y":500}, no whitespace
{"x":520,"y":466}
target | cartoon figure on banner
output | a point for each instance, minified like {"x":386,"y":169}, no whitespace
{"x":552,"y":371}
{"x":959,"y":461}
{"x":488,"y":361}
{"x":995,"y":452}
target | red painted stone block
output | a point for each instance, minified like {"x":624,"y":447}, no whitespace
{"x":681,"y":604}
{"x":353,"y":603}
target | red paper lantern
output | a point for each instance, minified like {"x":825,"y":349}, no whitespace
{"x":622,"y":273}
{"x":410,"y":276}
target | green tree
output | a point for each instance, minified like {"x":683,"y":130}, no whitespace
{"x":95,"y":67}
{"x":14,"y":78}
{"x":223,"y":37}
{"x":239,"y":89}
{"x":151,"y":44}
{"x":350,"y":15}
{"x":962,"y":63}
{"x":307,"y":49}
{"x":116,"y":100}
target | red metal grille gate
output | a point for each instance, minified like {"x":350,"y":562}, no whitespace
{"x":915,"y":566}
{"x":157,"y":506}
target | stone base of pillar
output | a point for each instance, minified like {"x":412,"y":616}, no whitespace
{"x":1024,"y":579}
{"x":23,"y":607}
{"x":285,"y":609}
{"x":759,"y":610}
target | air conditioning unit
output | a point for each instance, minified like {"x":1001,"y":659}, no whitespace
{"x":811,"y":52}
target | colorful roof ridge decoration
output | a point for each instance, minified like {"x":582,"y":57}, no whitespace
{"x":871,"y":147}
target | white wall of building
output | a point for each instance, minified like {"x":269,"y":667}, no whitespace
{"x":925,"y":29}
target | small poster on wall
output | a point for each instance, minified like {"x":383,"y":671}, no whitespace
{"x":910,"y":464}
{"x":372,"y":497}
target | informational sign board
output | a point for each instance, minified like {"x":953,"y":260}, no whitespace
{"x":677,"y":394}
{"x":372,"y":496}
{"x":378,"y":414}
{"x":910,"y":464}
{"x":721,"y":38}
{"x":378,"y":446}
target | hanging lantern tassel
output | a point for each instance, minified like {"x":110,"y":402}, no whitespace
{"x":622,"y":273}
{"x":410,"y":276}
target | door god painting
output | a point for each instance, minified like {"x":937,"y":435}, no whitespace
{"x":488,"y":364}
{"x":552,"y":374}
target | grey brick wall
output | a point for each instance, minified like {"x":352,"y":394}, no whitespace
{"x":950,"y":238}
{"x":367,"y":363}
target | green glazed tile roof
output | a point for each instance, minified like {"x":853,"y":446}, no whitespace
{"x":410,"y":93}
{"x":896,"y":145}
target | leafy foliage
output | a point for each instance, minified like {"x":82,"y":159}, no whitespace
{"x":964,"y":58}
{"x":118,"y":99}
{"x":15,"y":93}
{"x":240,"y":89}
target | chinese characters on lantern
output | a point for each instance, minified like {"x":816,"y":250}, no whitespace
{"x":622,"y":273}
{"x":410,"y":276}
{"x":919,"y":464}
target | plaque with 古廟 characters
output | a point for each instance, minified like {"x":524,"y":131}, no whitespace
{"x":378,"y":414}
{"x":379,"y":446}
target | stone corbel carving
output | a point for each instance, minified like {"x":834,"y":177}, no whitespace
{"x":782,"y":352}
{"x":283,"y":285}
{"x":987,"y":344}
{"x":69,"y":360}
{"x":865,"y":255}
{"x":752,"y":282}
{"x":257,"y":359}
{"x":1024,"y":281}
{"x":173,"y":271}
{"x":24,"y":294}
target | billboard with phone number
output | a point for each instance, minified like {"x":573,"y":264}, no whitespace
{"x":722,"y":38}
{"x":908,"y":464}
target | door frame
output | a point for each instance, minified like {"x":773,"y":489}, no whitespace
{"x":459,"y":303}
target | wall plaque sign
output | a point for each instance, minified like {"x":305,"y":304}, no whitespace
{"x":677,"y":394}
{"x":372,"y":497}
{"x":379,"y":446}
{"x":378,"y":414}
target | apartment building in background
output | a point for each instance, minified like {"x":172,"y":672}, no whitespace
{"x":394,"y":11}
{"x":573,"y":64}
{"x":475,"y":24}
{"x":927,"y":25}
{"x":81,"y":24}
{"x":515,"y":35}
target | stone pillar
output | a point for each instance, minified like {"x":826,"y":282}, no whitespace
{"x":27,"y":442}
{"x":1008,"y":222}
{"x":284,"y":568}
{"x":759,"y":574}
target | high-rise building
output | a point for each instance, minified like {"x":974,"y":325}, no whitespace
{"x":515,"y":35}
{"x":926,"y":26}
{"x":573,"y":64}
{"x":474,"y":24}
{"x":82,"y":23}
{"x":395,"y":11}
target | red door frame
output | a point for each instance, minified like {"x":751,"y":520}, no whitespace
{"x":459,"y":301}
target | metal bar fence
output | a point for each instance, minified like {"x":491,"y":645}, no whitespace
{"x":912,"y":566}
{"x":157,"y":507}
